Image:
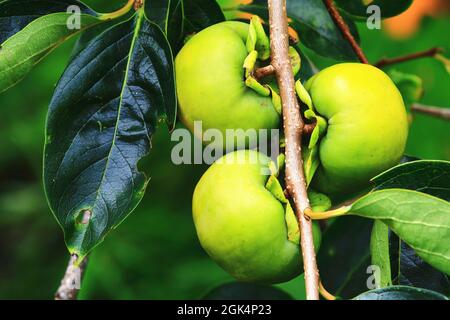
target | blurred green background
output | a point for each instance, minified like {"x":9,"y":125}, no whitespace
{"x":154,"y":254}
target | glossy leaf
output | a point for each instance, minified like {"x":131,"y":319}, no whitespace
{"x":428,"y":176}
{"x":168,"y":15}
{"x":388,"y":8}
{"x":100,"y":123}
{"x":409,"y":269}
{"x":16,"y":14}
{"x":406,"y":266}
{"x":379,"y":251}
{"x":401,"y":293}
{"x":91,"y":33}
{"x":20,"y":53}
{"x":314,"y":25}
{"x":199,"y":14}
{"x":422,"y":221}
{"x":180,"y":17}
{"x":344,"y":256}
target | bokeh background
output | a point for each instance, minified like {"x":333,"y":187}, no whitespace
{"x":154,"y":254}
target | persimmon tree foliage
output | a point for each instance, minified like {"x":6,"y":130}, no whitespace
{"x":132,"y":69}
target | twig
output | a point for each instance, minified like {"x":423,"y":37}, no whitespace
{"x":138,"y":4}
{"x":262,"y":72}
{"x":71,"y":282}
{"x":293,"y":126}
{"x":324,"y":293}
{"x":345,"y":30}
{"x":443,"y":113}
{"x":427,"y":53}
{"x":308,"y":128}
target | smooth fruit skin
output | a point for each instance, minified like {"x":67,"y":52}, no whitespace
{"x":241,"y":225}
{"x":210,"y":82}
{"x":367,"y":125}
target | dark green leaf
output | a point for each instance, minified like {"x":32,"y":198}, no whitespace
{"x":199,"y":14}
{"x":246,"y":291}
{"x":168,"y":15}
{"x":401,"y":293}
{"x":428,"y":176}
{"x":91,"y":33}
{"x":388,"y":8}
{"x":16,"y":14}
{"x":314,"y":25}
{"x":409,"y":269}
{"x":344,"y":256}
{"x":379,"y":250}
{"x":180,"y":17}
{"x":31,"y":29}
{"x":100,"y":123}
{"x":422,"y":221}
{"x":21,"y":52}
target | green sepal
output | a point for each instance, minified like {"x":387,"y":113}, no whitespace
{"x":251,"y":38}
{"x":303,"y":94}
{"x":252,"y":83}
{"x":249,"y":62}
{"x":262,"y":44}
{"x":296,"y":61}
{"x":274,"y":186}
{"x":319,"y":129}
{"x":310,"y":154}
{"x":310,"y":163}
{"x":275,"y":167}
{"x":276,"y":100}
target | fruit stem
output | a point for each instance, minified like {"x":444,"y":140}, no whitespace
{"x":327,"y":214}
{"x":345,"y":30}
{"x":443,"y":113}
{"x":116,"y":14}
{"x":422,"y":54}
{"x":324,"y":293}
{"x":263,"y":72}
{"x":293,"y":128}
{"x":309,"y":128}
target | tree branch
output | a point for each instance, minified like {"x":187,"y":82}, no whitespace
{"x":71,"y":282}
{"x":262,"y":72}
{"x":345,"y":30}
{"x":442,"y":113}
{"x":422,"y":54}
{"x":293,"y":126}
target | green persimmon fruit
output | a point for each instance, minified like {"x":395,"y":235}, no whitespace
{"x":211,"y":86}
{"x":241,"y":225}
{"x":367,"y":125}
